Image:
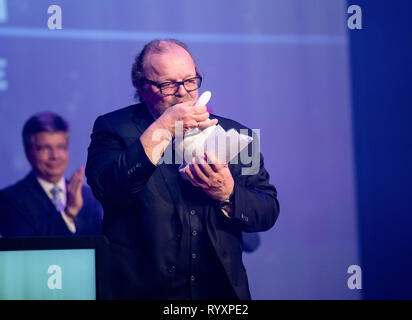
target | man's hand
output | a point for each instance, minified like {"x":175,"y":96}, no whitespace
{"x":186,"y":112}
{"x":213,"y":178}
{"x":74,"y":194}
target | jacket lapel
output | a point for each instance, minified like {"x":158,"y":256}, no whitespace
{"x":32,"y":203}
{"x":38,"y":198}
{"x":168,"y":174}
{"x":143,"y":119}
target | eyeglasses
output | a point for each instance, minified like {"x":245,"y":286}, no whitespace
{"x":171,"y":87}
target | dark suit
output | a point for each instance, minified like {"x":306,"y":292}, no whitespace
{"x":146,"y":207}
{"x":27,"y":211}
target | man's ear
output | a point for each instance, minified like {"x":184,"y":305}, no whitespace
{"x":141,"y":91}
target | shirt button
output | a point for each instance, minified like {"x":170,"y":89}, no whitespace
{"x":192,"y":212}
{"x":192,"y":278}
{"x":194,"y":256}
{"x":172,"y":269}
{"x":194,"y":233}
{"x":178,"y":236}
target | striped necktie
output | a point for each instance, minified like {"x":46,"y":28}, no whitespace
{"x":55,"y":191}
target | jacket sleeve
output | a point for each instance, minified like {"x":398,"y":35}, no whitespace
{"x":89,"y":220}
{"x":115,"y":171}
{"x":256,"y":207}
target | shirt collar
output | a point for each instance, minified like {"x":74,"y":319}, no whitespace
{"x":47,"y":186}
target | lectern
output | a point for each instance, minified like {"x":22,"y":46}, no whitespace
{"x":54,"y":268}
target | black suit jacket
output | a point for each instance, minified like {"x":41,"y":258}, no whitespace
{"x":27,"y":211}
{"x":143,"y":211}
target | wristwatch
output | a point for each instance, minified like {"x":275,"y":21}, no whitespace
{"x":226,"y":206}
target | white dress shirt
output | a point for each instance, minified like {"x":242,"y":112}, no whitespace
{"x":47,"y":186}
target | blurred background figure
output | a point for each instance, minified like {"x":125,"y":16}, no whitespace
{"x":251,"y":241}
{"x":44,"y":203}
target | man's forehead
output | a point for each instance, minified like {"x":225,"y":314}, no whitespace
{"x":44,"y":136}
{"x":168,"y":48}
{"x":157,"y":61}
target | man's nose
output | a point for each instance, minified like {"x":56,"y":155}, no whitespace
{"x":181,"y":90}
{"x":55,"y":153}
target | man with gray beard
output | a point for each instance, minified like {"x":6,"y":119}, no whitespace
{"x":173,"y":238}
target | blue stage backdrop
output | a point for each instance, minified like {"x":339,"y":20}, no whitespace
{"x":278,"y":66}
